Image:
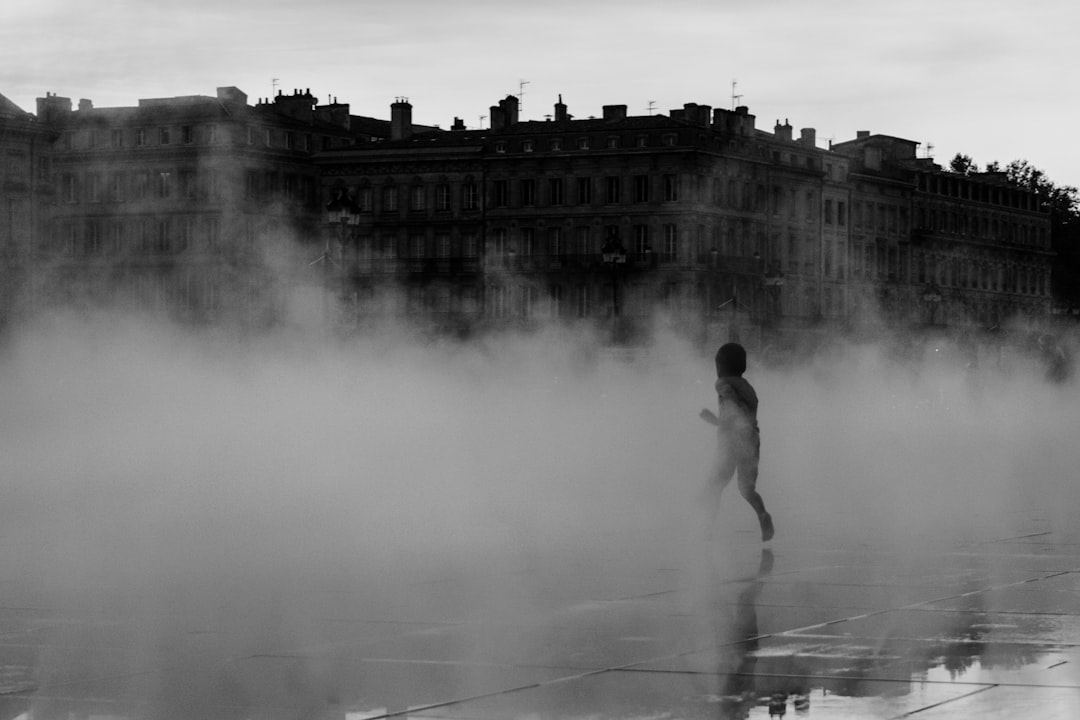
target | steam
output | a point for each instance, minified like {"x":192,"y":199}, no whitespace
{"x":221,"y":477}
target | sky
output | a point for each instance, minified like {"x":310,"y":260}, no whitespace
{"x":992,"y":79}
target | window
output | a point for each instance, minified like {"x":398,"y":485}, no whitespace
{"x":500,"y":146}
{"x":187,"y":184}
{"x":583,"y":243}
{"x":470,"y":196}
{"x":213,"y":231}
{"x":69,"y":188}
{"x":528,"y":236}
{"x":556,"y":144}
{"x":641,"y":188}
{"x":613,"y":142}
{"x":140,"y":137}
{"x":390,"y":199}
{"x":442,"y":197}
{"x":828,"y":212}
{"x":528,"y":192}
{"x":268,"y":137}
{"x":501,"y":192}
{"x":211,"y":134}
{"x":612,"y":186}
{"x":93,"y":187}
{"x":417,"y":248}
{"x":527,"y":146}
{"x":641,"y":141}
{"x":584,"y":191}
{"x":671,"y":242}
{"x":669,"y":139}
{"x":671,"y":188}
{"x":555,"y":244}
{"x":841,"y":213}
{"x":116,"y":137}
{"x":641,"y":239}
{"x":555,"y":191}
{"x":116,"y":187}
{"x":163,"y":188}
{"x":116,"y":236}
{"x":163,"y":136}
{"x":469,"y":244}
{"x":581,"y":300}
{"x":417,"y":198}
{"x":250,"y":135}
{"x":583,"y":143}
{"x":442,"y":246}
{"x":187,"y":136}
{"x":92,"y":239}
{"x":290,"y":141}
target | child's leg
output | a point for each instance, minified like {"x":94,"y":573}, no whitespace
{"x":748,"y":474}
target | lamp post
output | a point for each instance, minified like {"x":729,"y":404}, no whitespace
{"x":774,"y":284}
{"x":932,"y":298}
{"x":613,"y":256}
{"x":344,"y":213}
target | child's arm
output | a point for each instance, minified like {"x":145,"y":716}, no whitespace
{"x":709,"y":416}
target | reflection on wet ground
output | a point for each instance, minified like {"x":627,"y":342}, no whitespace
{"x":988,"y":627}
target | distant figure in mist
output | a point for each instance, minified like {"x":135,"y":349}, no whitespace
{"x":740,"y":440}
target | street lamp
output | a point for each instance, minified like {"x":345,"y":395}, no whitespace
{"x":774,"y":284}
{"x":343,"y":212}
{"x":933,"y":299}
{"x":613,"y":256}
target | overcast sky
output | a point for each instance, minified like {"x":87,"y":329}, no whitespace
{"x":995,"y":79}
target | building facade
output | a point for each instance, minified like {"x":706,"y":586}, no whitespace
{"x":25,"y":192}
{"x":698,"y":219}
{"x":196,"y":205}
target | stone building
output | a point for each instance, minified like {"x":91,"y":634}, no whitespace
{"x":190,"y":204}
{"x":931,"y":247}
{"x":25,"y":190}
{"x":606,"y":220}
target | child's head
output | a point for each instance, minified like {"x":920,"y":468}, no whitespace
{"x":730,"y":360}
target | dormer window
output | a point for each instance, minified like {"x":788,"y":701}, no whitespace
{"x":556,"y":144}
{"x":641,"y":141}
{"x":613,"y":142}
{"x":583,"y":143}
{"x":527,"y":146}
{"x":500,"y":146}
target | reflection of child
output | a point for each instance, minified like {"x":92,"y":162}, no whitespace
{"x":740,"y":441}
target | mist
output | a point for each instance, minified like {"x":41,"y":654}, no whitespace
{"x":184,"y":476}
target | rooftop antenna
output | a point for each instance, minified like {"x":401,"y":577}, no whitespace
{"x":734,"y":98}
{"x":652,"y":106}
{"x":273,"y":84}
{"x":521,"y":96}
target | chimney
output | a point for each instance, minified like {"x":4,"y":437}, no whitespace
{"x":497,"y":117}
{"x":860,"y":134}
{"x":299,"y":106}
{"x":52,"y":108}
{"x":458,"y":125}
{"x":696,"y":114}
{"x":783,"y":132}
{"x":334,"y":114}
{"x":808,"y":137}
{"x":401,"y":119}
{"x":614,"y":112}
{"x":232,"y":94}
{"x":85,"y":104}
{"x":509,"y":106}
{"x":560,"y":111}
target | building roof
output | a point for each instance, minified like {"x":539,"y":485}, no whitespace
{"x":10,"y":110}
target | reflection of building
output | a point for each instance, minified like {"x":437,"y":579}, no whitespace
{"x":186,"y":203}
{"x":24,"y":189}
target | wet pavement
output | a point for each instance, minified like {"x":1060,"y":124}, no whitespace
{"x":645,"y":624}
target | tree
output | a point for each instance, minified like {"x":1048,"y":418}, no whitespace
{"x":963,"y":164}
